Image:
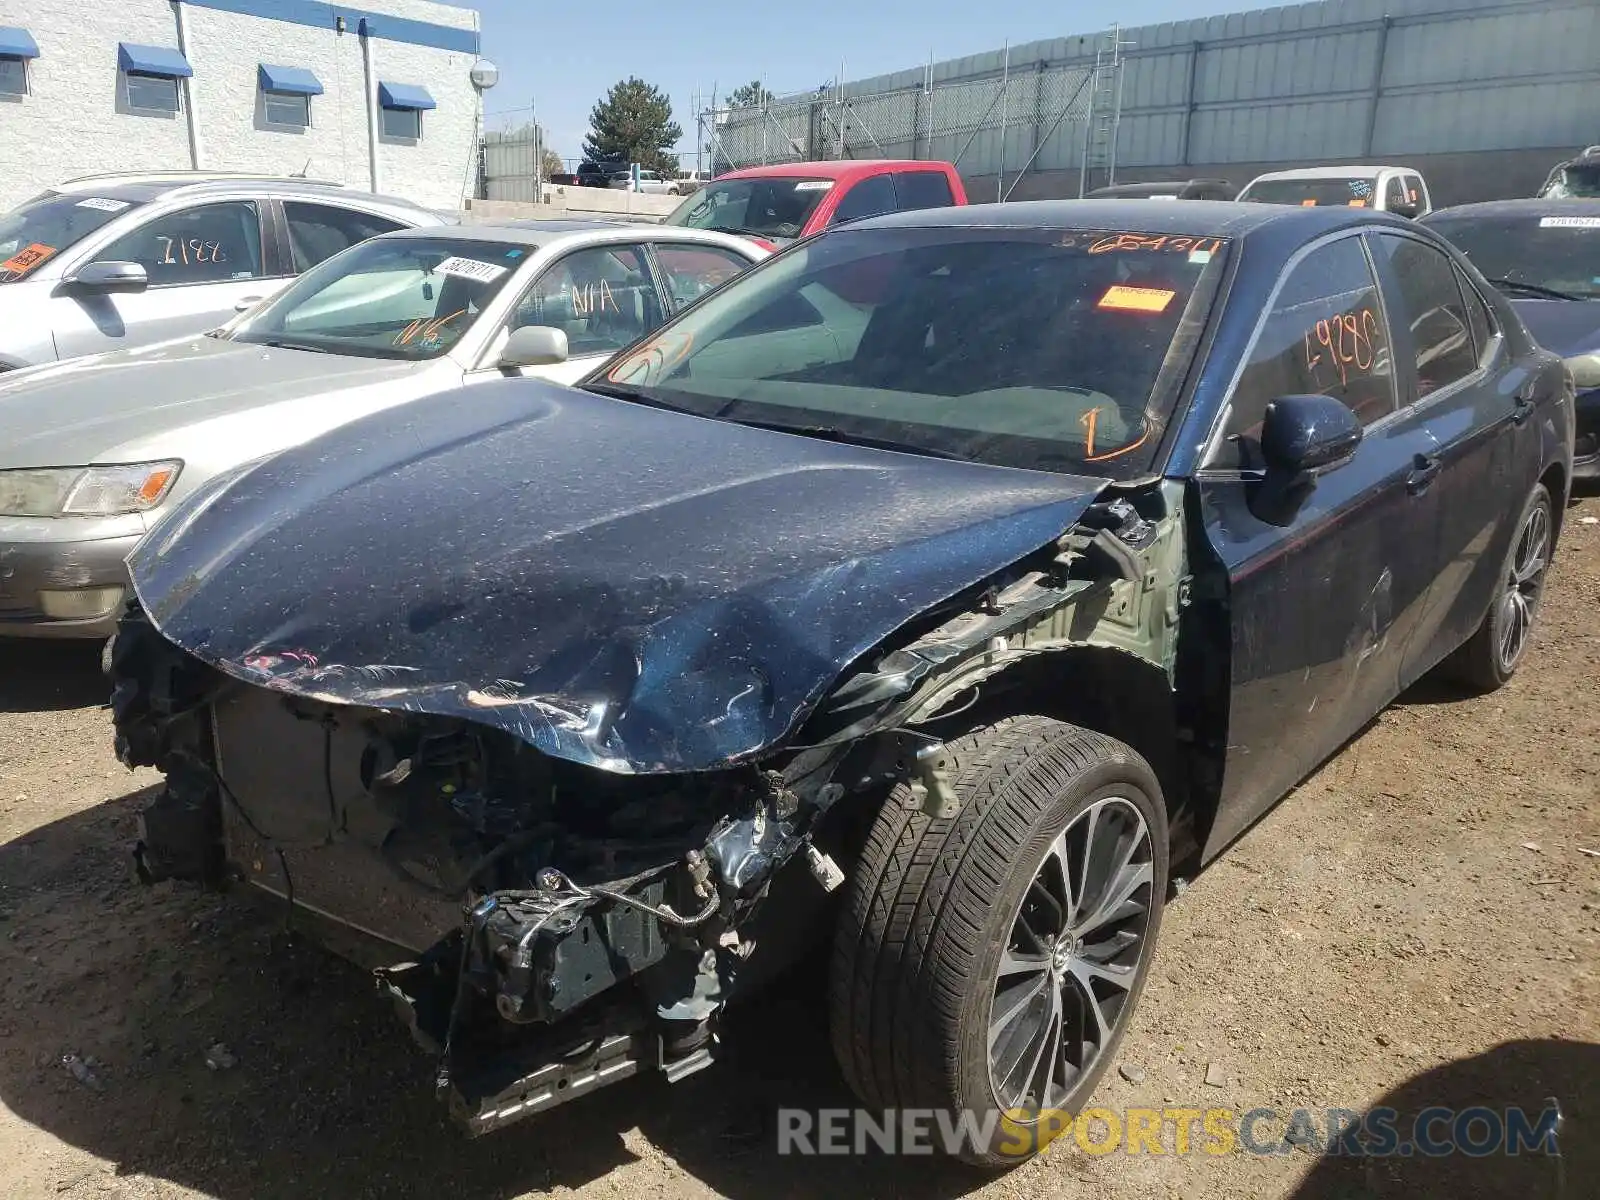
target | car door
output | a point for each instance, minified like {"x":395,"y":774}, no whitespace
{"x":1317,"y":607}
{"x":602,"y":297}
{"x":202,"y":261}
{"x":1454,"y":369}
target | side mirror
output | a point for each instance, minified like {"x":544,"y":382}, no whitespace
{"x":1585,"y":370}
{"x":534,"y":346}
{"x":1301,"y":436}
{"x":1406,"y":209}
{"x":111,"y":277}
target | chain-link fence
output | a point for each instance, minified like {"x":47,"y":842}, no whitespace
{"x":939,"y":121}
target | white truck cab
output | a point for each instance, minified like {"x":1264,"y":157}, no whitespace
{"x":1400,"y":190}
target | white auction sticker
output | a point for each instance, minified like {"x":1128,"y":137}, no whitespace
{"x":1569,"y":222}
{"x":103,"y":204}
{"x":471,"y":268}
{"x":813,"y":185}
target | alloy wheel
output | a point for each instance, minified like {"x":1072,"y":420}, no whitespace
{"x":1072,"y":958}
{"x":1524,"y":585}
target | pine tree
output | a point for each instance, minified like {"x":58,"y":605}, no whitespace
{"x":751,"y":95}
{"x":633,"y":123}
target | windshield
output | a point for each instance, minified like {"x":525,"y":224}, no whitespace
{"x":1313,"y":193}
{"x":1556,"y":253}
{"x":773,"y":207}
{"x":1575,"y":181}
{"x":41,"y":228}
{"x":1056,"y":350}
{"x":405,"y":297}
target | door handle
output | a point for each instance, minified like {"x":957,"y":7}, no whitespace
{"x":1423,"y":468}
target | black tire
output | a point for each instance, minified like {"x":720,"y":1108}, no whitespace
{"x":935,"y":904}
{"x":1480,"y":663}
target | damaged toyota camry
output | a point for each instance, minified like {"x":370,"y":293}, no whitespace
{"x":951,"y":586}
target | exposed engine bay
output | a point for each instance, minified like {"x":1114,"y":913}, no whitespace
{"x":546,"y":926}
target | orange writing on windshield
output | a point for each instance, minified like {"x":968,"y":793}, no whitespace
{"x":1154,"y":242}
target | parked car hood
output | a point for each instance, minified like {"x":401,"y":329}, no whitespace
{"x":622,"y":586}
{"x":1566,"y":327}
{"x":89,"y":409}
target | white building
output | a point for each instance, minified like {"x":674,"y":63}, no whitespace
{"x":377,"y":97}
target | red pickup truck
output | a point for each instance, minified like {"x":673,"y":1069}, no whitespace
{"x":777,"y":204}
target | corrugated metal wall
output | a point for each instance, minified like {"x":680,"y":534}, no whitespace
{"x":1340,"y":79}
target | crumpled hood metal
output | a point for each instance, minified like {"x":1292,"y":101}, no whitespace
{"x":621,"y":586}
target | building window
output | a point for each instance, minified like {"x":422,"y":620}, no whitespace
{"x":13,"y":77}
{"x":284,"y":108}
{"x":151,"y":93}
{"x":405,"y":123}
{"x":150,"y":77}
{"x":403,"y":105}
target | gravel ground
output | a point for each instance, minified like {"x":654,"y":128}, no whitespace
{"x":1415,"y":925}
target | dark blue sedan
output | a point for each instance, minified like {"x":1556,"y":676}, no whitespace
{"x":986,"y":569}
{"x":1545,"y":256}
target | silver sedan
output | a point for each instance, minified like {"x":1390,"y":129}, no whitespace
{"x":95,"y":451}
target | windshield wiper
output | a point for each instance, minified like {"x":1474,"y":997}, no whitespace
{"x":1535,"y":289}
{"x":635,"y":396}
{"x":279,"y":344}
{"x":832,"y":433}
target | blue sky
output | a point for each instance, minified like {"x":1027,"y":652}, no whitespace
{"x":560,"y":58}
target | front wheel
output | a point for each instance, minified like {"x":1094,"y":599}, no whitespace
{"x":988,"y":964}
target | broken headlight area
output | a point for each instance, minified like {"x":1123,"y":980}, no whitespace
{"x":544,"y":927}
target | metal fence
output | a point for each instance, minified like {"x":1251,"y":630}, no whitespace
{"x":510,"y":163}
{"x":1022,"y":113}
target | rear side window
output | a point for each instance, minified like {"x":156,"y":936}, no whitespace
{"x":1394,"y":193}
{"x":871,"y":197}
{"x":692,"y":271}
{"x":1324,"y":335}
{"x":319,"y":231}
{"x":1480,"y":318}
{"x":923,"y":189}
{"x":211,"y":243}
{"x":1431,"y":303}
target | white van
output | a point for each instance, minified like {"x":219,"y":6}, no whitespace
{"x":1400,"y":190}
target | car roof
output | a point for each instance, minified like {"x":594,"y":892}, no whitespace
{"x":1336,"y":171}
{"x":842,"y":168}
{"x":1543,"y":207}
{"x":155,"y":185}
{"x":1195,"y":218}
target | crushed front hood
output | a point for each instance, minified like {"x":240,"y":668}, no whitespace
{"x":617,"y":585}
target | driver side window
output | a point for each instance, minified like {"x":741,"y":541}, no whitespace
{"x":1325,"y":334}
{"x":211,"y":243}
{"x":871,"y":197}
{"x":602,"y":298}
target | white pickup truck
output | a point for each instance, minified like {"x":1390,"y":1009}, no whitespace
{"x":1400,"y":190}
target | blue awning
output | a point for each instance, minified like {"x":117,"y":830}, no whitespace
{"x":17,"y":43}
{"x":153,"y":60}
{"x":404,"y":95}
{"x":296,"y":81}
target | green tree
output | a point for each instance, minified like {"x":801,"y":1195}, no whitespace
{"x":751,"y":95}
{"x":633,"y":123}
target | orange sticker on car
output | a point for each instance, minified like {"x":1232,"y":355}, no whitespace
{"x":1136,"y":299}
{"x":24,"y":261}
{"x":1358,"y":202}
{"x":1311,"y":203}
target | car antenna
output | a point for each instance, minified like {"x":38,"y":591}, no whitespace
{"x":301,"y":173}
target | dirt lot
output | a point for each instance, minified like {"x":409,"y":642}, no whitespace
{"x":1414,"y":926}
